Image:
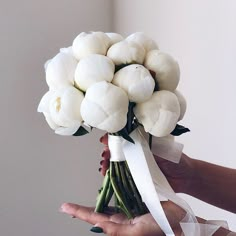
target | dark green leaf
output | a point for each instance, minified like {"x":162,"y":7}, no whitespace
{"x":81,"y":131}
{"x":118,"y":67}
{"x":130,"y":117}
{"x":125,"y":135}
{"x":150,"y":141}
{"x":179,"y":129}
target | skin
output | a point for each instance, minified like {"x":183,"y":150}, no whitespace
{"x":199,"y":179}
{"x":118,"y":225}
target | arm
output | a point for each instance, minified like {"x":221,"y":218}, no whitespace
{"x":208,"y":182}
{"x":213,"y":184}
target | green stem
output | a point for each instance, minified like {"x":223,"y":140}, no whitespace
{"x":121,"y":184}
{"x":134,"y":189}
{"x":124,"y":208}
{"x":109,"y":194}
{"x":128,"y":189}
{"x":101,"y":197}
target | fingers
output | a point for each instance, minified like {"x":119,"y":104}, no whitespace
{"x":104,"y":139}
{"x":112,"y":228}
{"x":105,"y":155}
{"x":83,"y":213}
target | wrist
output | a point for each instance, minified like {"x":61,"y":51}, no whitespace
{"x":220,"y":231}
{"x":223,"y":232}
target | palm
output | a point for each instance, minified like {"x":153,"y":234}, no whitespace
{"x":115,"y":224}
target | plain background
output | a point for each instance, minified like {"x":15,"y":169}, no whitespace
{"x":40,"y":170}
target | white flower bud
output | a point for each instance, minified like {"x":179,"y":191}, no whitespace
{"x":137,"y":81}
{"x":166,"y":69}
{"x":92,"y":69}
{"x":143,"y":40}
{"x":114,"y":38}
{"x":60,"y":70}
{"x":125,"y":52}
{"x":90,"y":43}
{"x":105,"y":107}
{"x":182,"y":103}
{"x":159,"y":115}
{"x":61,"y":109}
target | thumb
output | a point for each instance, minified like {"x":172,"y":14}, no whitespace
{"x":114,"y":229}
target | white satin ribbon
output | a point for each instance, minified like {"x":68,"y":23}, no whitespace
{"x":167,"y":148}
{"x":152,"y":184}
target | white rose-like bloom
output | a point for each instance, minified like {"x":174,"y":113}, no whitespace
{"x":60,"y":70}
{"x":114,"y":37}
{"x":159,"y":115}
{"x":105,"y":107}
{"x":92,"y":69}
{"x":182,"y":103}
{"x":137,"y":81}
{"x":166,"y":69}
{"x":90,"y":43}
{"x":61,"y":109}
{"x":125,"y":52}
{"x":143,"y":40}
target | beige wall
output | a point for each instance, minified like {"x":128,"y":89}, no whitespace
{"x":201,"y":35}
{"x":38,"y":169}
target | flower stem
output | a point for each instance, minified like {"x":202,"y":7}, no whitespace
{"x":141,"y":205}
{"x":100,"y":204}
{"x":109,"y":194}
{"x":120,"y":197}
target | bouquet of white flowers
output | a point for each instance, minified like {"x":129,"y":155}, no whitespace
{"x":119,"y":85}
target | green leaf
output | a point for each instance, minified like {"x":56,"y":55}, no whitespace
{"x":179,"y":129}
{"x":125,"y":135}
{"x":118,"y":67}
{"x":130,"y":117}
{"x":81,"y":131}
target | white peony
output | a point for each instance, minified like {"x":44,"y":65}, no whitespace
{"x":90,"y":43}
{"x":114,"y":37}
{"x":61,"y":109}
{"x":137,"y":81}
{"x":159,"y":115}
{"x":182,"y":103}
{"x":60,"y":70}
{"x":105,"y":107}
{"x":143,"y":40}
{"x":166,"y":69}
{"x":92,"y":69}
{"x":125,"y":52}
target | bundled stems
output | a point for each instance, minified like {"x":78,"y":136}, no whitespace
{"x":118,"y":181}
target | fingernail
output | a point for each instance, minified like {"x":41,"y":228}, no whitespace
{"x":101,"y":162}
{"x":100,"y":169}
{"x":101,"y":139}
{"x":96,"y":229}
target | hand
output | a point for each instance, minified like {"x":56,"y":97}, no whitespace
{"x":178,"y":175}
{"x":116,"y":224}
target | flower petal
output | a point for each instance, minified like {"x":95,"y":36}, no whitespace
{"x":67,"y":131}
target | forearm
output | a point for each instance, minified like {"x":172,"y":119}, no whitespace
{"x":213,"y":184}
{"x":220,"y":232}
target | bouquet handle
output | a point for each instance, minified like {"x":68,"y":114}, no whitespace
{"x":150,"y":181}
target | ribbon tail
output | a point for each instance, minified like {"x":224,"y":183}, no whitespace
{"x":135,"y":155}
